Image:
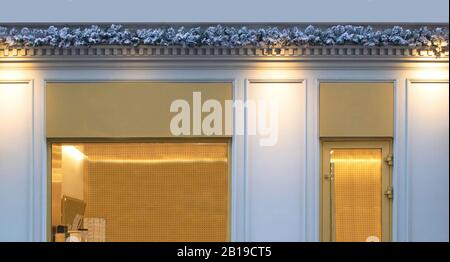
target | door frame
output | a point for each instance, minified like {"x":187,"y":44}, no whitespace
{"x":326,"y":224}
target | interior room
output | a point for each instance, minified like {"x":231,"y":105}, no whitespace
{"x":154,"y":191}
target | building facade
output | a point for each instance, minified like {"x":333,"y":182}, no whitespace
{"x":270,"y":137}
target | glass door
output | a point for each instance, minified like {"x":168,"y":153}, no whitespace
{"x":356,"y":191}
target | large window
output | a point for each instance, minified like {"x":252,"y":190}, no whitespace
{"x":141,"y":191}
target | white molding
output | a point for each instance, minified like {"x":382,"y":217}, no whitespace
{"x":426,"y":81}
{"x":404,"y":174}
{"x":217,"y":64}
{"x":40,"y":156}
{"x":15,"y":81}
{"x":36,"y":175}
{"x":237,"y":174}
{"x":238,"y":142}
{"x":159,"y":80}
{"x":313,"y":161}
{"x":357,"y":80}
{"x":169,"y":52}
{"x":246,"y":182}
{"x":398,"y":164}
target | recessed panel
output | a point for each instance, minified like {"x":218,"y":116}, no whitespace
{"x":131,"y":109}
{"x":356,"y":109}
{"x":427,"y":161}
{"x":16,"y":161}
{"x":276,"y":162}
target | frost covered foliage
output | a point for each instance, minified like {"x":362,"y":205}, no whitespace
{"x":227,"y":36}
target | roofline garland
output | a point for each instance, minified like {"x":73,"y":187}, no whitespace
{"x":435,"y":39}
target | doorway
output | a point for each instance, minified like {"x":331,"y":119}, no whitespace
{"x":356,"y":191}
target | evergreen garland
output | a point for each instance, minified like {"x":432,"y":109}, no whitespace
{"x":226,"y":36}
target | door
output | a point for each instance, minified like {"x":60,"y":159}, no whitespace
{"x":356,"y":191}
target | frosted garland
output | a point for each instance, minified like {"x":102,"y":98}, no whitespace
{"x":225,"y":36}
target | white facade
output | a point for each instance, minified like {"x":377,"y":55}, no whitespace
{"x":275,"y":192}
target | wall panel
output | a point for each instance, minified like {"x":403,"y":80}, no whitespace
{"x":356,"y":109}
{"x":126,"y":109}
{"x":427,"y":161}
{"x":276,"y":173}
{"x":16,"y":119}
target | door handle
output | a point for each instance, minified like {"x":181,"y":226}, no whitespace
{"x":330,"y":176}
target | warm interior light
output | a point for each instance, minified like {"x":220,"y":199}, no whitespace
{"x":158,"y":161}
{"x":74,"y":152}
{"x":357,"y":198}
{"x":356,"y":160}
{"x":146,"y":191}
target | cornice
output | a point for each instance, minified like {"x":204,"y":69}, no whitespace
{"x":149,"y":53}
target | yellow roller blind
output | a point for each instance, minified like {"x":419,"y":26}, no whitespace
{"x":356,"y":109}
{"x":164,"y":192}
{"x":122,"y":109}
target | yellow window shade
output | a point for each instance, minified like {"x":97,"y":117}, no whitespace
{"x":123,"y":109}
{"x":356,"y":109}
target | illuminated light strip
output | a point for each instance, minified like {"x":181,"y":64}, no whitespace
{"x":369,"y":160}
{"x":157,"y":161}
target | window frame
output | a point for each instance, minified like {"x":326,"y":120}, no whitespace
{"x":51,"y":141}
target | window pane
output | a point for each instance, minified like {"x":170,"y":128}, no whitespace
{"x":145,"y":191}
{"x":357,"y":193}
